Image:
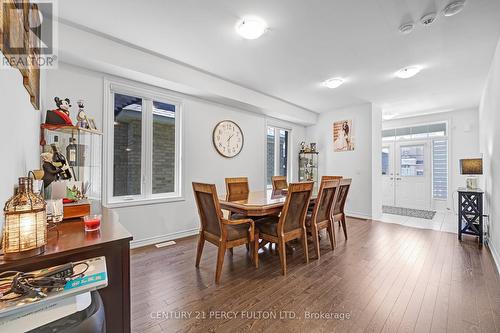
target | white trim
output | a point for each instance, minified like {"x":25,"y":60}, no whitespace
{"x":163,"y":238}
{"x":148,"y":94}
{"x":142,"y":202}
{"x":495,"y":254}
{"x":358,"y":215}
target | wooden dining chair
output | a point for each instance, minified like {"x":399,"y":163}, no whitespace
{"x":237,"y":186}
{"x":321,"y":217}
{"x":291,"y":222}
{"x":279,"y":183}
{"x":331,"y":177}
{"x":338,"y":209}
{"x":237,"y":189}
{"x":223,"y":233}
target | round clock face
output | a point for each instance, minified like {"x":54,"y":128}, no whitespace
{"x":228,"y":138}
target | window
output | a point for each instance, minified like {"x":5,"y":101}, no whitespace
{"x":415,"y":132}
{"x":277,"y":152}
{"x":385,"y":160}
{"x":440,"y":169}
{"x":143,"y":146}
{"x":412,"y":161}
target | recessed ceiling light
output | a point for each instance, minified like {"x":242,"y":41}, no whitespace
{"x":406,"y":28}
{"x":333,"y":82}
{"x":407,"y":72}
{"x":251,"y":27}
{"x":428,"y":19}
{"x":454,"y":8}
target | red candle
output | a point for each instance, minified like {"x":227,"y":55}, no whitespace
{"x":92,"y":222}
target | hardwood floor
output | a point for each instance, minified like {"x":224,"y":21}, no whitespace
{"x":385,"y":278}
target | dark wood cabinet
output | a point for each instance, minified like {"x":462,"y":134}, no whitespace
{"x":72,"y":244}
{"x":470,"y":213}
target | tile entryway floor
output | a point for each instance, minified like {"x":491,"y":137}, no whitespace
{"x":442,"y":221}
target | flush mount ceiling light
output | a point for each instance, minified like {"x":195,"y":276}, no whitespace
{"x":428,"y":19}
{"x":454,"y":8}
{"x":407,"y":72}
{"x":333,"y":82}
{"x":251,"y":27}
{"x":406,"y":28}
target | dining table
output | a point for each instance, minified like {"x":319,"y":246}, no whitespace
{"x":258,"y":203}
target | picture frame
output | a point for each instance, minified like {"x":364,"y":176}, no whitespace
{"x":343,"y":136}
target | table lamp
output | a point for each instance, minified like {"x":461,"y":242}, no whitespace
{"x":471,"y":166}
{"x":25,"y":228}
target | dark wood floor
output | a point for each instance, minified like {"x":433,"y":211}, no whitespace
{"x":386,"y":277}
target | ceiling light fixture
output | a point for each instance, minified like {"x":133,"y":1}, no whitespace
{"x":454,"y":8}
{"x":407,"y":72}
{"x":406,"y":28}
{"x":333,"y":82}
{"x":428,"y":19}
{"x":251,"y":27}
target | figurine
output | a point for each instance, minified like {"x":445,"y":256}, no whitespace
{"x":83,"y":121}
{"x":50,"y":171}
{"x":59,"y":116}
{"x":313,"y":147}
{"x":303,"y":146}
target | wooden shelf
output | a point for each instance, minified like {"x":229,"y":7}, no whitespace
{"x":68,"y":129}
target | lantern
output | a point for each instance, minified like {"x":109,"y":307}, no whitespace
{"x":25,"y":228}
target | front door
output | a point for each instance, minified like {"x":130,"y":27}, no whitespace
{"x":406,"y":179}
{"x":412,"y":175}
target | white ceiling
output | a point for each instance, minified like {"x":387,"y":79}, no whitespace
{"x":310,"y":41}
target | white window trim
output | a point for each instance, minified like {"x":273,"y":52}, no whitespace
{"x":145,"y":92}
{"x":277,"y":127}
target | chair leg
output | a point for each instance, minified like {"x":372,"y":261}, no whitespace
{"x":255,"y":249}
{"x":220,"y":260}
{"x":344,"y":226}
{"x":315,"y":238}
{"x":331,"y":234}
{"x":199,"y":251}
{"x":231,"y":251}
{"x":282,"y":253}
{"x":304,"y":245}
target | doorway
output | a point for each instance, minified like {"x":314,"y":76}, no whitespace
{"x":406,"y":174}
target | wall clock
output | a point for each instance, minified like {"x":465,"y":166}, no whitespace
{"x":228,"y":138}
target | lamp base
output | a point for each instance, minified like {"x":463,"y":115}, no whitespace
{"x":24,"y":254}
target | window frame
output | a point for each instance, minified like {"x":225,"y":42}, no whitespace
{"x":277,"y":128}
{"x":148,"y":94}
{"x":446,"y":139}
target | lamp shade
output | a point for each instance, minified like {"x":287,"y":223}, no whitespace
{"x":25,"y":228}
{"x":471,"y":166}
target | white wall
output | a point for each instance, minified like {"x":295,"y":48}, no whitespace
{"x":489,"y":131}
{"x":355,"y":164}
{"x":201,"y":161}
{"x":463,"y":141}
{"x":19,"y":133}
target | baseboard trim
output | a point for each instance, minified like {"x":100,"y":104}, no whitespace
{"x":163,"y":238}
{"x":358,"y":215}
{"x":495,"y":254}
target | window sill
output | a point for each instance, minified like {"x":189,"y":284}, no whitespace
{"x":142,"y":202}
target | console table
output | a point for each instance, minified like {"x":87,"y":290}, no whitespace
{"x":72,"y":243}
{"x":470,"y":213}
